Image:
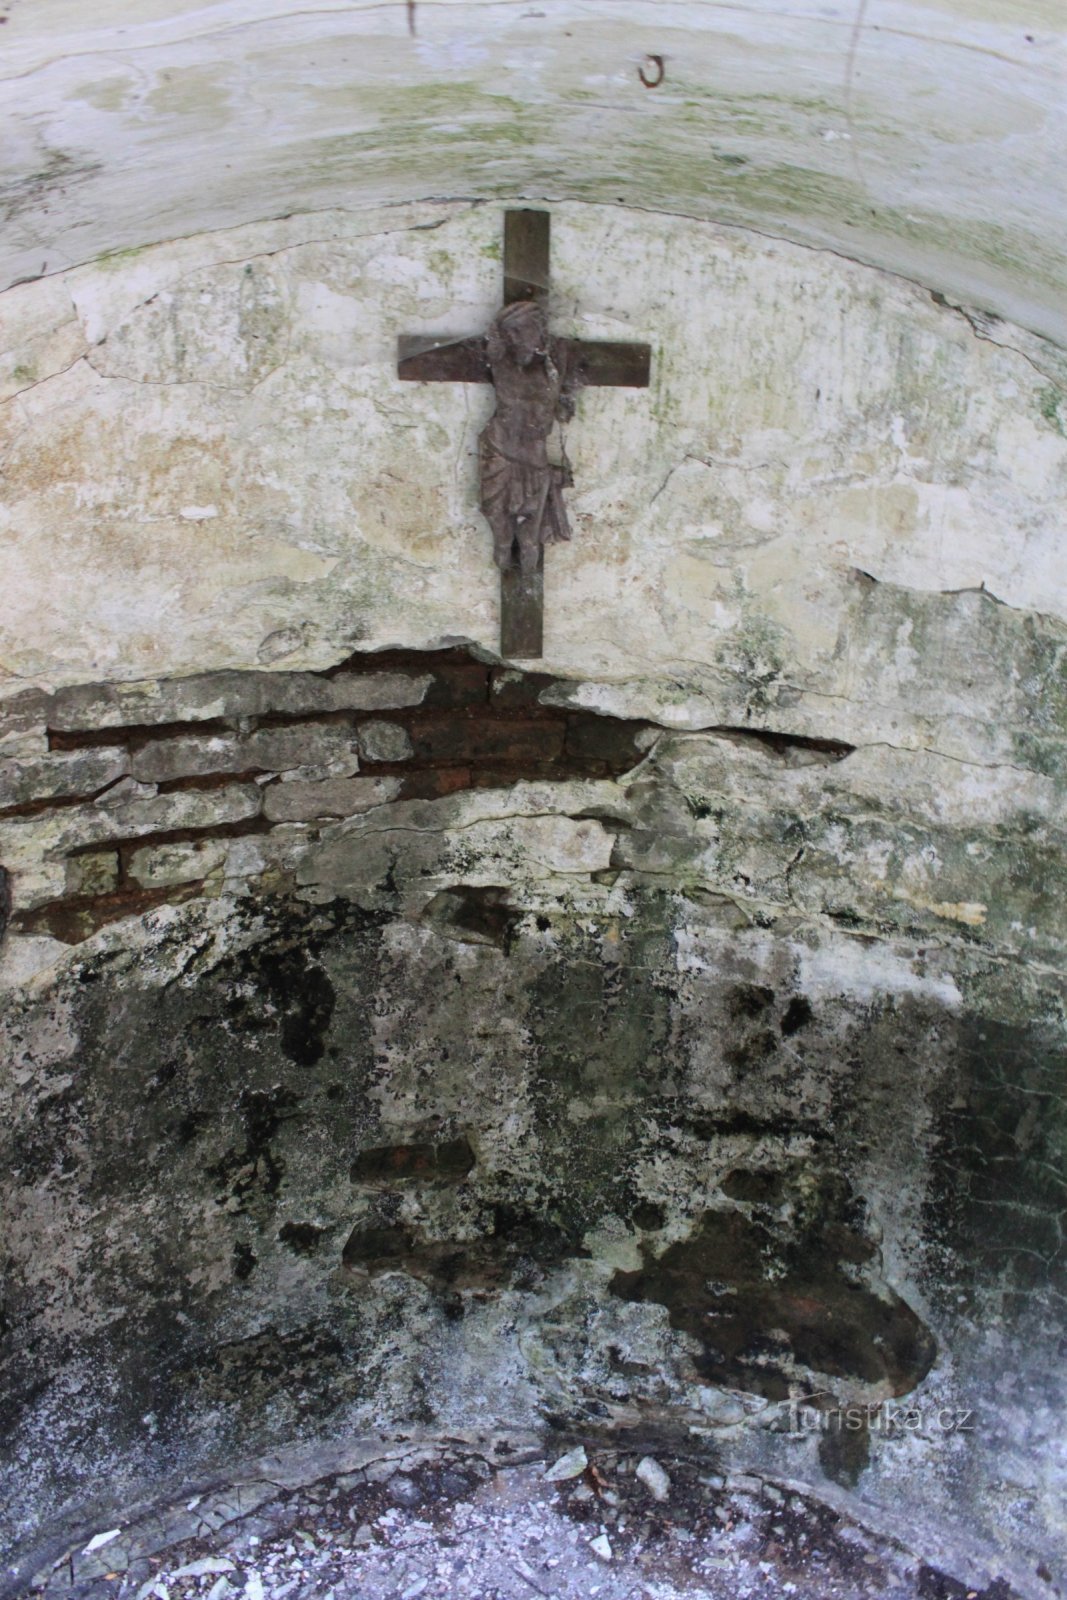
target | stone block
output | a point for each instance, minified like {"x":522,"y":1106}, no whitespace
{"x":114,"y":705}
{"x":248,"y":857}
{"x":307,"y":744}
{"x":31,"y":847}
{"x":185,"y":808}
{"x":314,"y":744}
{"x":32,"y":880}
{"x":555,"y":844}
{"x":18,"y":746}
{"x":183,"y":861}
{"x":94,"y":872}
{"x":189,"y":756}
{"x":335,"y":797}
{"x":378,"y":691}
{"x":222,"y":695}
{"x":344,"y":766}
{"x":125,"y":790}
{"x":60,"y":774}
{"x":21,"y":712}
{"x":23,"y":956}
{"x":23,"y":723}
{"x":384,"y":741}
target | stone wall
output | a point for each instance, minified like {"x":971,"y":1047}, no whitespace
{"x":645,"y":1045}
{"x":119,"y":797}
{"x":514,"y":1060}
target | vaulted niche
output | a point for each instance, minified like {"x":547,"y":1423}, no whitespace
{"x":423,"y":1066}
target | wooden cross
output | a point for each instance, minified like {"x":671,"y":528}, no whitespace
{"x":427,"y":359}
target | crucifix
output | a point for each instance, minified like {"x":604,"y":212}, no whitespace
{"x":536,"y":377}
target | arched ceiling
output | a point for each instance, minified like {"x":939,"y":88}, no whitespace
{"x":927,"y":139}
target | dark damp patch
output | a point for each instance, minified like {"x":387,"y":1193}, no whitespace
{"x":845,"y":1447}
{"x":648,"y":1216}
{"x":308,"y":1369}
{"x":304,"y":998}
{"x":755,"y":1188}
{"x":476,"y":914}
{"x":256,"y":1166}
{"x":244,"y":1261}
{"x":301,"y":1237}
{"x":736,"y":1120}
{"x":933,"y":1584}
{"x":998,"y":1192}
{"x":751,"y":1051}
{"x":749,"y":999}
{"x":798,"y":1014}
{"x":191,"y":1126}
{"x":759,"y":1306}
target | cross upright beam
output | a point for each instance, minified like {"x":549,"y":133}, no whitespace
{"x":465,"y":359}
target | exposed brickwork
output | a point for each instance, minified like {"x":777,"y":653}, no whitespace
{"x":117,"y":797}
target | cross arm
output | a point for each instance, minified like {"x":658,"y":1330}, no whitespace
{"x":424,"y":358}
{"x":595,"y":363}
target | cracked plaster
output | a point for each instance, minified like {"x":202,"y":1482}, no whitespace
{"x":207,"y":451}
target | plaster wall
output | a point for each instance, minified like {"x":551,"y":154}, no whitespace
{"x":210,"y":461}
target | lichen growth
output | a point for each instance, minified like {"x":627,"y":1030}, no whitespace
{"x":1049,"y":401}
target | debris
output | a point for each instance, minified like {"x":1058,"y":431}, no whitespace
{"x":200,"y":1569}
{"x":99,"y":1539}
{"x":745,"y":1482}
{"x":405,"y":1491}
{"x":526,"y":1573}
{"x":254,"y":1586}
{"x":601,"y":1546}
{"x":569,"y":1466}
{"x":652,"y":1475}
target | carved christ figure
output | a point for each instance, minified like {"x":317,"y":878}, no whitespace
{"x":521,"y":490}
